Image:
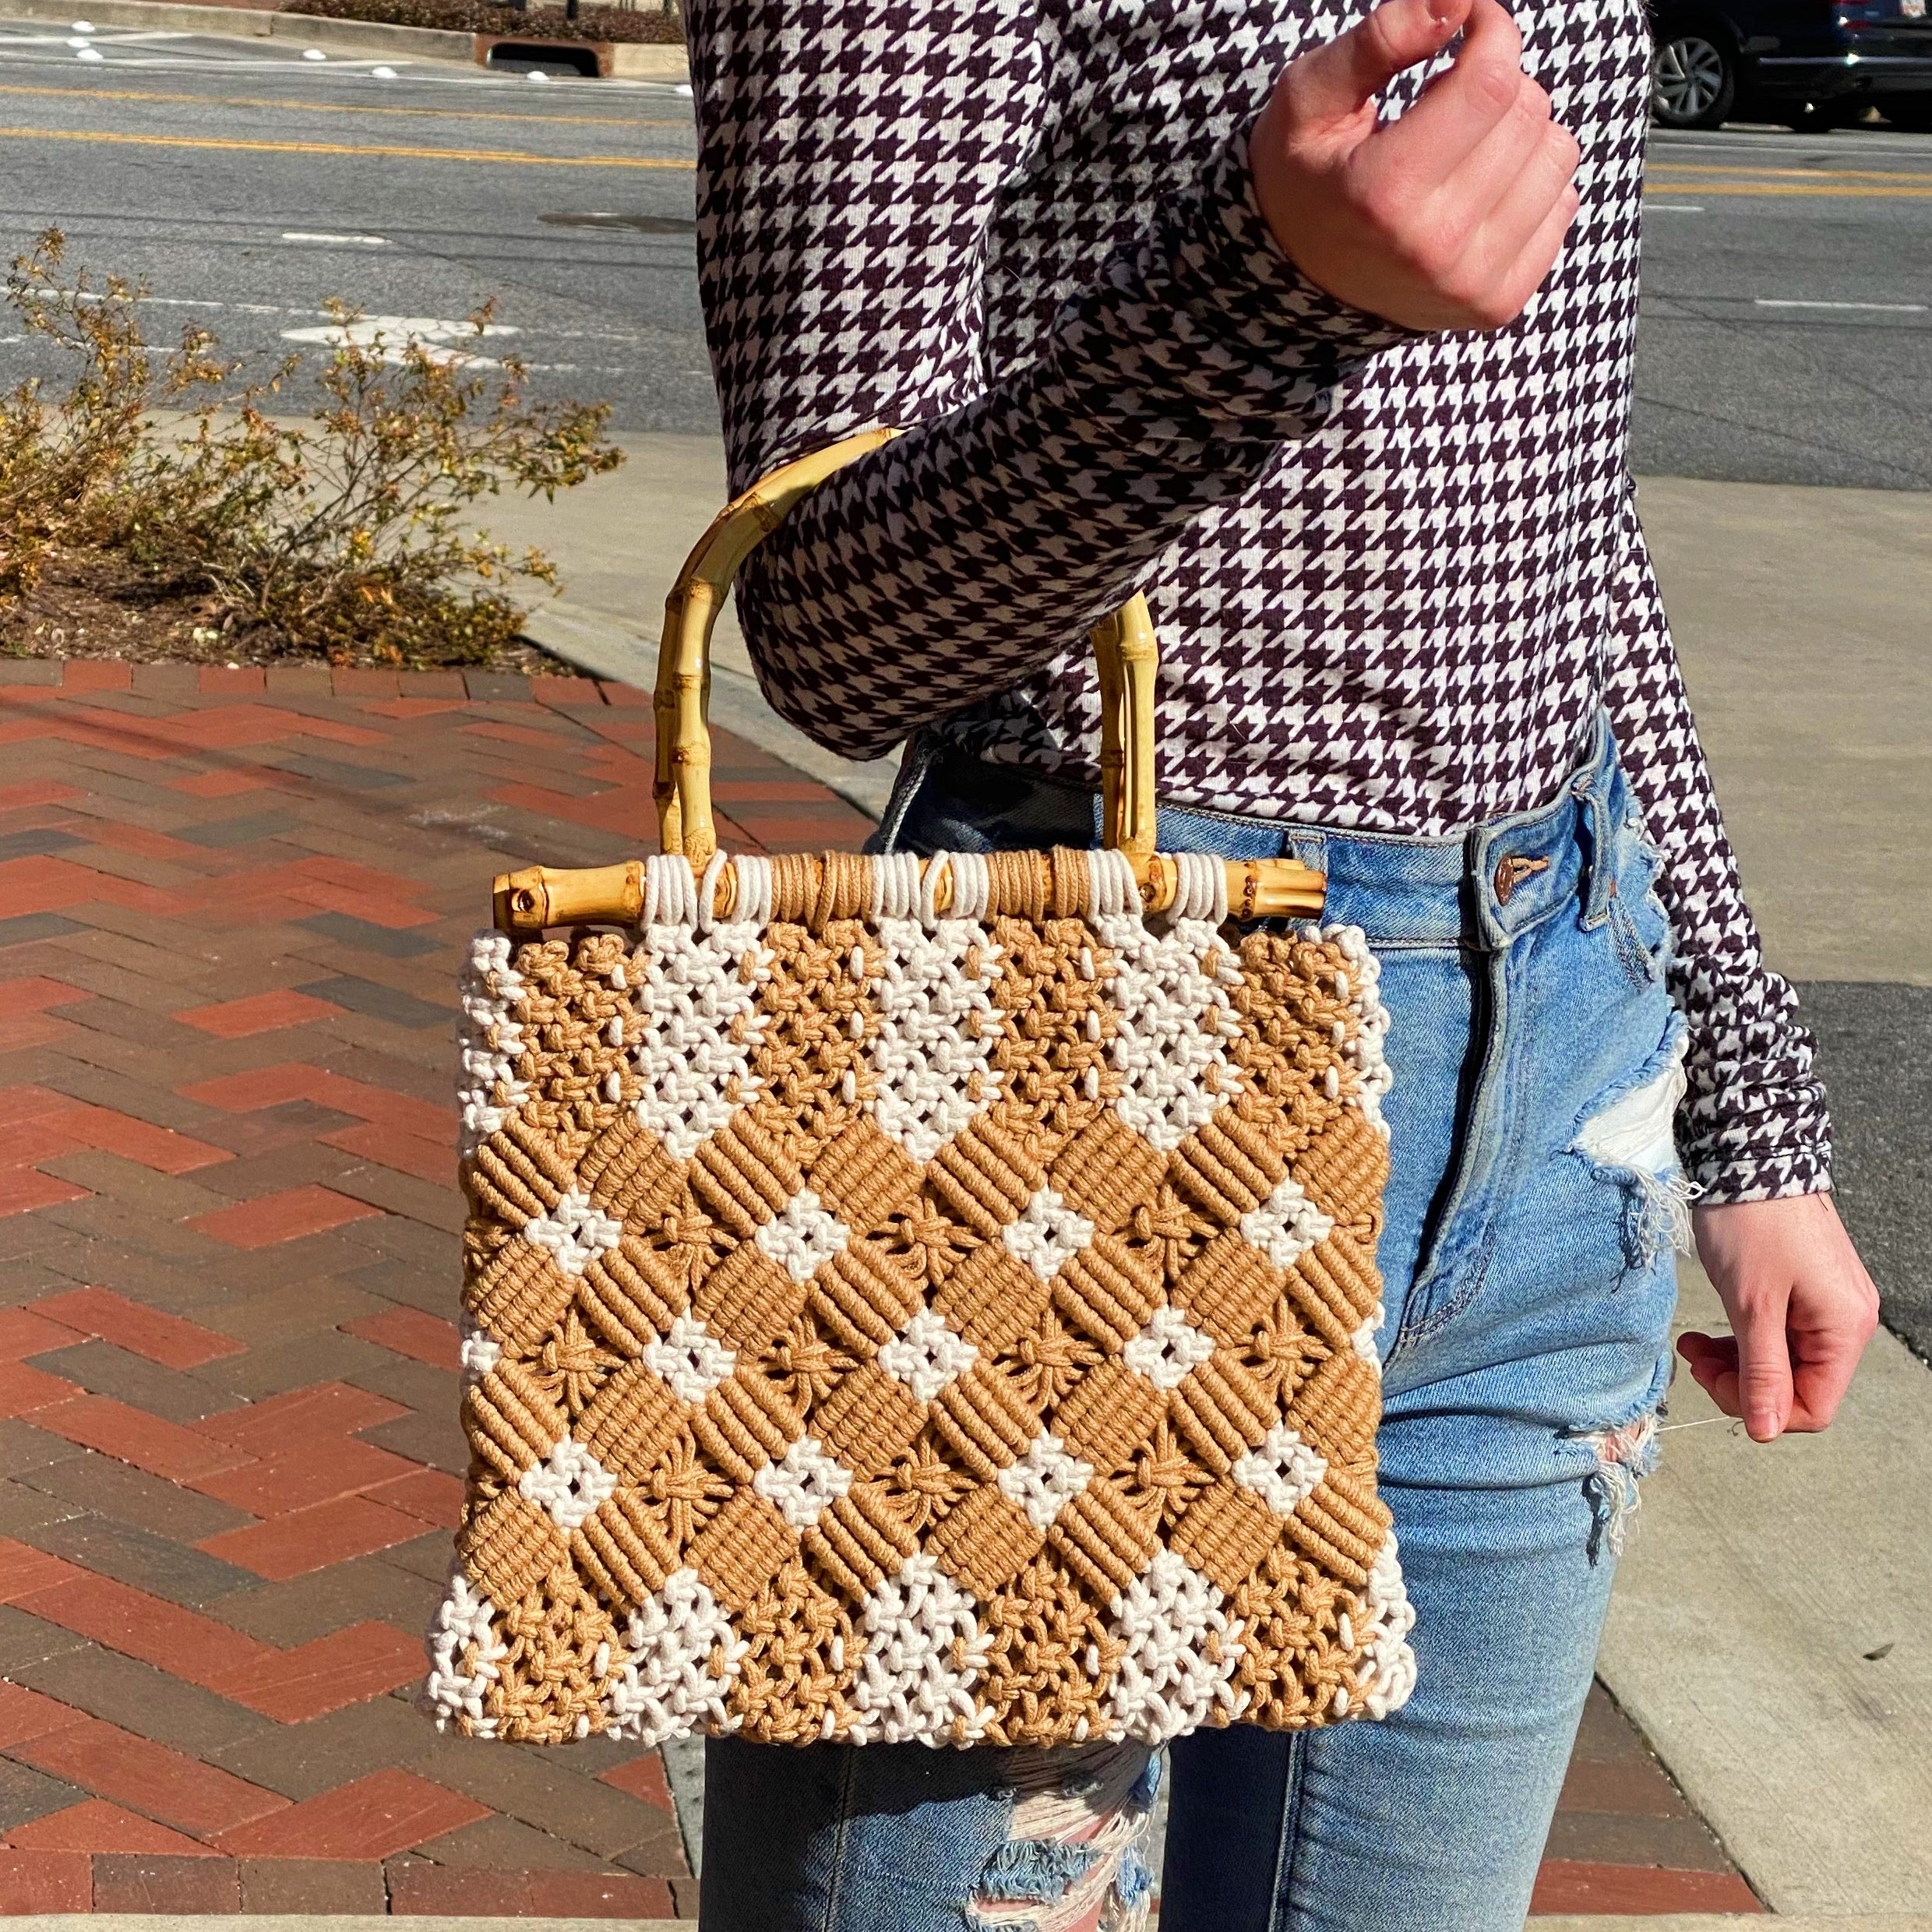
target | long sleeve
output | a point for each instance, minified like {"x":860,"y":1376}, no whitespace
{"x":847,"y":241}
{"x":1754,"y":1125}
{"x":1393,"y":575}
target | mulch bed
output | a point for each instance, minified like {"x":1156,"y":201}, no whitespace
{"x":649,"y":25}
{"x":98,"y":605}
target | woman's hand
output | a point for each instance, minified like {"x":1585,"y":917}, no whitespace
{"x":1802,"y":1309}
{"x":1447,"y":218}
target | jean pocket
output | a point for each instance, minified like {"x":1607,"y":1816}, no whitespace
{"x":1638,"y":922}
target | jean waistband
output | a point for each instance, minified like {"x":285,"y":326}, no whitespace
{"x":1482,"y":886}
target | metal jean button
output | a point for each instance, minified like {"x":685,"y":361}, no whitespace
{"x":1512,"y":869}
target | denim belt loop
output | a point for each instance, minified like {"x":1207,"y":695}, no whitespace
{"x":1310,"y":848}
{"x":917,"y":757}
{"x":1593,"y":789}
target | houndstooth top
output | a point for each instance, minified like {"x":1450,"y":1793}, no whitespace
{"x":1393,"y":574}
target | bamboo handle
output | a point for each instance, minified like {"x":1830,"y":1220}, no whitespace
{"x":1129,"y":661}
{"x":1126,"y":652}
{"x":682,"y":785}
{"x":1124,"y":646}
{"x":529,"y":902}
{"x":540,"y":895}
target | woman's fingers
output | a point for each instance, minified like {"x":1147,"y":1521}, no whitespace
{"x":1802,"y":1309}
{"x":1462,"y":107}
{"x":1746,"y":1374}
{"x":1763,"y":1365}
{"x":1535,"y":260}
{"x":1447,"y":218}
{"x":1515,"y":234}
{"x":1331,"y":85}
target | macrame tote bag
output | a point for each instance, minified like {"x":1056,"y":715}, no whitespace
{"x":917,"y":1300}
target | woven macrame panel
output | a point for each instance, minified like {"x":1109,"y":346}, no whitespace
{"x":883,"y":1325}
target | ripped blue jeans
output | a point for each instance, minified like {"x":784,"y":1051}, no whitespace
{"x":1527,"y":1256}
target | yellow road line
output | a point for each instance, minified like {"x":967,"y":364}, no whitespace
{"x":509,"y":157}
{"x":325,"y":107}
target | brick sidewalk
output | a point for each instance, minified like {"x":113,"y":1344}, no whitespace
{"x":230,"y":908}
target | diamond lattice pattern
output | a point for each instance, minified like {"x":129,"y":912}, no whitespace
{"x":948,"y":1332}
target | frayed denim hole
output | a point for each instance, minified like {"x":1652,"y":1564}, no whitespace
{"x":1075,"y":1832}
{"x":1036,"y":1870}
{"x":1133,"y":1884}
{"x":1628,"y":1139}
{"x":1624,"y":1455}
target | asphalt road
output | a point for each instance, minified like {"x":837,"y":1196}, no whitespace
{"x":246,"y":185}
{"x":1787,"y":319}
{"x":1786,"y":329}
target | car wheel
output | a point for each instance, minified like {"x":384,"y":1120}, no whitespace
{"x":1912,"y":112}
{"x":1693,"y":79}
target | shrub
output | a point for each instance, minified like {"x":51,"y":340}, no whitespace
{"x":342,"y":536}
{"x":60,"y":463}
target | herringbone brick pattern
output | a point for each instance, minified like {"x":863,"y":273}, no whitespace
{"x":230,"y":908}
{"x":231,"y":904}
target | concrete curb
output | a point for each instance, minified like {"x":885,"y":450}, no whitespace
{"x":616,"y":60}
{"x":624,"y":61}
{"x":163,"y":16}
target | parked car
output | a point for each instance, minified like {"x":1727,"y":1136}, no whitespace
{"x":1809,"y":63}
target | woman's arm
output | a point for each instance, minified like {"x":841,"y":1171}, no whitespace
{"x":951,"y":563}
{"x":847,"y":178}
{"x":1755,"y":1135}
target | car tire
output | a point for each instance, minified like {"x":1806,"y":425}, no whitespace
{"x":1911,"y":112}
{"x":1694,"y":78}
